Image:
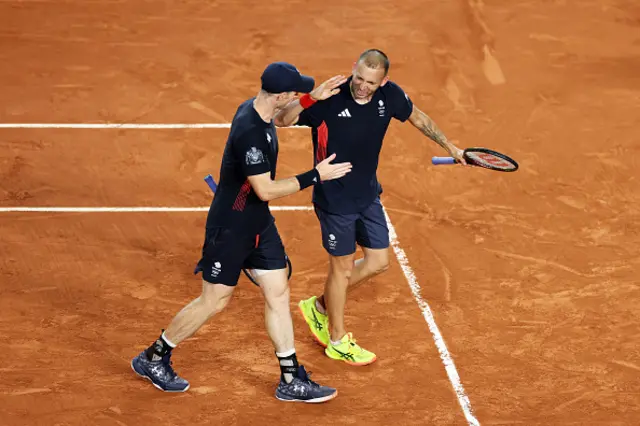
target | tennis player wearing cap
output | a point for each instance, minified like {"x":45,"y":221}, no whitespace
{"x":241,"y":233}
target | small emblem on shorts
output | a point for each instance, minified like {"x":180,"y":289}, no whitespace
{"x":215,"y":269}
{"x":332,"y":242}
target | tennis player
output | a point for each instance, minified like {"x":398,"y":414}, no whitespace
{"x":352,"y":125}
{"x":241,"y":233}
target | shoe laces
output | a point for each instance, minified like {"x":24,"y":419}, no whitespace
{"x":352,"y":342}
{"x":306,"y":376}
{"x":166,"y":361}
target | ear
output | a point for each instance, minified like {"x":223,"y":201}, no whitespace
{"x":384,"y":81}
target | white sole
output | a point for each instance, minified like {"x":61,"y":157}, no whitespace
{"x":311,"y":401}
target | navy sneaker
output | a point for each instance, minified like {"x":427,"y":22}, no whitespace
{"x":159,"y":372}
{"x":303,"y":389}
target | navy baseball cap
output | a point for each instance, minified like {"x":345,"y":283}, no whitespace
{"x":280,"y":77}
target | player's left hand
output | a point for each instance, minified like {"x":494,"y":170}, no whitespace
{"x":328,"y":88}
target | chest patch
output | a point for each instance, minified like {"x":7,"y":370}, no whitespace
{"x":254,"y":156}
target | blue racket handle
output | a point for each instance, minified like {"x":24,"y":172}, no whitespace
{"x":443,"y":160}
{"x":211,"y":183}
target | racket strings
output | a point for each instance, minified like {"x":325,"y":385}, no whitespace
{"x":491,"y":161}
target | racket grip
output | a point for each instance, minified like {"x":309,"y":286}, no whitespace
{"x":211,"y":183}
{"x":443,"y":160}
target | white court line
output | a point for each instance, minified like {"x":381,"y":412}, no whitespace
{"x":445,"y":356}
{"x":129,"y":209}
{"x":123,"y":126}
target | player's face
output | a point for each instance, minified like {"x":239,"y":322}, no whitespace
{"x":366,"y":81}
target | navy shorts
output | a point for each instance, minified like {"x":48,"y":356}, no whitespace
{"x":341,"y":232}
{"x":226,"y":252}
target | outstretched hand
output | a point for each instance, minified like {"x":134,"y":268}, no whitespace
{"x":330,"y":171}
{"x":328,"y":88}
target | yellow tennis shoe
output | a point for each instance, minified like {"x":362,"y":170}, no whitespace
{"x":350,"y":352}
{"x":318,"y":323}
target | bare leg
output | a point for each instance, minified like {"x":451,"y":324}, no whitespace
{"x":154,"y":362}
{"x":374,"y":262}
{"x":213,"y":299}
{"x":340,"y":269}
{"x":277,"y":315}
{"x":277,"y":318}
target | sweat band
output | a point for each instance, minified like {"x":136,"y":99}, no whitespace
{"x":309,"y":178}
{"x":306,"y":101}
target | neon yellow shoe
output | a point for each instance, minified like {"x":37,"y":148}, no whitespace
{"x":350,"y":352}
{"x":318,"y":323}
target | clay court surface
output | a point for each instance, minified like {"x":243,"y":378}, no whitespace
{"x":531,"y":276}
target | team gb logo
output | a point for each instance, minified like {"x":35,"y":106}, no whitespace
{"x":254,"y":156}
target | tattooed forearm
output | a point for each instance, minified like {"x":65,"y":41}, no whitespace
{"x":429,"y":128}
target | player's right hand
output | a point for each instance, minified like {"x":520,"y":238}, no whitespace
{"x":328,"y":88}
{"x":330,"y":171}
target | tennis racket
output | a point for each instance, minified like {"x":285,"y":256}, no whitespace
{"x":482,"y":157}
{"x":212,"y":184}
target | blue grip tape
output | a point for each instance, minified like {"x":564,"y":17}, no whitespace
{"x":211,"y":183}
{"x":443,"y":160}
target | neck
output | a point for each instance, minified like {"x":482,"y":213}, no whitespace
{"x":264,"y":108}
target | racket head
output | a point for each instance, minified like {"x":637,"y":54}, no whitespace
{"x":490,"y":159}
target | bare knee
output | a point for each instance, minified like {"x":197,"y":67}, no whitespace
{"x":341,"y":267}
{"x":277,"y":295}
{"x":275,"y":288}
{"x":379,"y":266}
{"x":215,"y":299}
{"x":377,"y":261}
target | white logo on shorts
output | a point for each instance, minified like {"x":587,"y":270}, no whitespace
{"x":215,"y":269}
{"x":332,"y":242}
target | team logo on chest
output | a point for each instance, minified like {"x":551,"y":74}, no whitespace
{"x":381,"y":108}
{"x":254,"y":156}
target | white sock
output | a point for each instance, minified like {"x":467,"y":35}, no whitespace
{"x":286,"y":353}
{"x":169,"y":342}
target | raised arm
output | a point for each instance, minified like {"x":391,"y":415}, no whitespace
{"x":288,"y":116}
